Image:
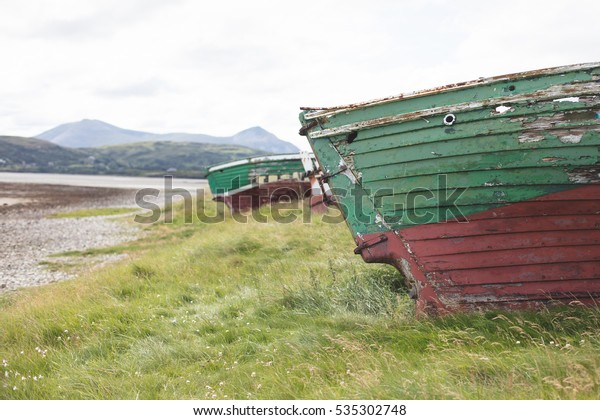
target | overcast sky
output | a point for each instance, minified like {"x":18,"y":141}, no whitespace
{"x":218,"y":67}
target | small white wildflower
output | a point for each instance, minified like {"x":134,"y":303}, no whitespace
{"x":518,"y":342}
{"x":4,"y":363}
{"x":22,"y":352}
{"x":14,"y":388}
{"x":66,"y":331}
{"x":253,"y":374}
{"x":567,"y":346}
{"x":23,"y":378}
{"x":552,"y":342}
{"x":221,"y":383}
{"x":581,"y":341}
{"x":484,"y":358}
{"x":188,"y":381}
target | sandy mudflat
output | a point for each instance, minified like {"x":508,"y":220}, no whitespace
{"x":11,"y":201}
{"x":28,"y":237}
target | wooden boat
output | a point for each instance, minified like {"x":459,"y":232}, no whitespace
{"x":249,"y":183}
{"x":485,"y":194}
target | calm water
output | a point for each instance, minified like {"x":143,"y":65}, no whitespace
{"x":129,"y":182}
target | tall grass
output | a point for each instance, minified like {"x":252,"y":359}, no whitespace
{"x":275,"y":311}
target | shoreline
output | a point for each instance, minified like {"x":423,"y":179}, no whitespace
{"x":102,"y":181}
{"x":30,"y":238}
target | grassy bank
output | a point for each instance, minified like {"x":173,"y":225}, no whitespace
{"x":274,"y":311}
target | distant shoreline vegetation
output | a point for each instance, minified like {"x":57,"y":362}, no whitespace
{"x":93,"y":147}
{"x":149,"y":158}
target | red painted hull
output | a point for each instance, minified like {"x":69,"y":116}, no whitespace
{"x":267,"y":193}
{"x":518,"y":256}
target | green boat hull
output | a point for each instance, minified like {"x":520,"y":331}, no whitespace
{"x":250,"y":183}
{"x":413,"y":162}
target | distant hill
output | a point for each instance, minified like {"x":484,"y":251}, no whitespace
{"x":22,"y":153}
{"x":158,"y":157}
{"x":90,"y":133}
{"x":94,"y":133}
{"x":142,"y":158}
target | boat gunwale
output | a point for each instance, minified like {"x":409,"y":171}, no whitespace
{"x":581,"y":89}
{"x":236,"y":191}
{"x":256,"y":159}
{"x":311,"y":113}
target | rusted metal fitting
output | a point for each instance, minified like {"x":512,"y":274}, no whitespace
{"x":304,"y":129}
{"x":365,"y":245}
{"x":351,"y":137}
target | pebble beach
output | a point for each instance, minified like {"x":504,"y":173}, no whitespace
{"x":29,"y":238}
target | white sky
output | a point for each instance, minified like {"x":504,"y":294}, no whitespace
{"x":218,"y":67}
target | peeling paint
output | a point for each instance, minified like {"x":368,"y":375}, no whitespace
{"x":585,"y":174}
{"x":502,"y":109}
{"x":570,"y":99}
{"x":405,"y":268}
{"x":553,"y":92}
{"x":573,"y":139}
{"x":528,"y":137}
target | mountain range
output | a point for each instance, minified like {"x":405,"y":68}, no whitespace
{"x":95,"y":133}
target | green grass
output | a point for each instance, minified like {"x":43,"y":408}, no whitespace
{"x":100,"y":211}
{"x":275,"y":311}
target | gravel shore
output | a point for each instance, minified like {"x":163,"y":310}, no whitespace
{"x":28,"y":237}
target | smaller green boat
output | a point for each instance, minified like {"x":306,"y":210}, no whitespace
{"x":249,"y":183}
